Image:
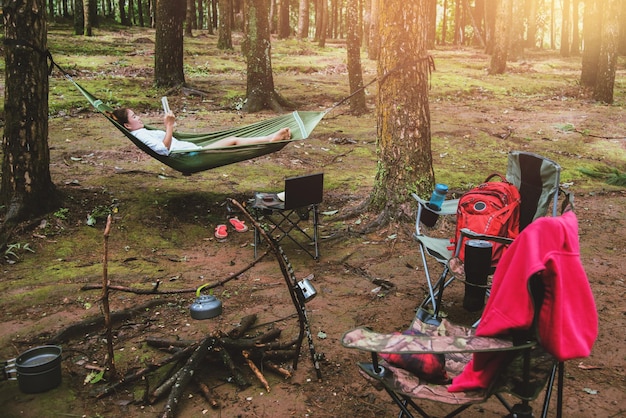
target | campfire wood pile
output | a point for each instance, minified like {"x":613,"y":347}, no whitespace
{"x":256,"y":350}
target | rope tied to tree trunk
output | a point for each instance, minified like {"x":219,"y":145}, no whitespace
{"x":407,"y":62}
{"x":46,"y":54}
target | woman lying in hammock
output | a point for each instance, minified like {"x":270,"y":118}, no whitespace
{"x":163,"y":142}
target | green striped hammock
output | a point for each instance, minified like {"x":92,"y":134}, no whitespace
{"x":300,"y":123}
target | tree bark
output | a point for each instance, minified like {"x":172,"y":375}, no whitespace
{"x":87,"y":17}
{"x":373,"y":47}
{"x":303,"y":19}
{"x":284,"y":28}
{"x":605,"y":81}
{"x":622,"y":29}
{"x":322,"y":26}
{"x":224,"y":34}
{"x":168,"y":50}
{"x":26,"y":190}
{"x":353,"y":47}
{"x":531,"y":33}
{"x":592,"y":40}
{"x":403,"y":114}
{"x":260,"y":92}
{"x":565,"y":28}
{"x":502,"y":37}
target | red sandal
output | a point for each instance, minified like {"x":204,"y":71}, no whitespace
{"x":221,"y":232}
{"x":238,"y":225}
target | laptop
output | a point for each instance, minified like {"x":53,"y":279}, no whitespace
{"x":304,"y":190}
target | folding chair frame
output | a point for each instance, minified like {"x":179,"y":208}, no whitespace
{"x":519,"y":166}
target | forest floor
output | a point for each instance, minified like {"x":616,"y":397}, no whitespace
{"x":163,"y":226}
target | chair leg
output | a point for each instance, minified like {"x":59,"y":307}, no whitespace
{"x":559,"y":393}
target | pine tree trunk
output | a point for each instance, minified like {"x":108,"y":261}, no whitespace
{"x":260,"y":93}
{"x":592,"y":41}
{"x":303,"y":19}
{"x":502,"y":33}
{"x":403,"y":114}
{"x":87,"y":17}
{"x":531,"y":35}
{"x":605,"y":81}
{"x":284,"y":28}
{"x":168,"y":49}
{"x":224,"y":34}
{"x":27,"y":189}
{"x":565,"y":28}
{"x":323,"y":23}
{"x":355,"y":72}
{"x":373,"y":47}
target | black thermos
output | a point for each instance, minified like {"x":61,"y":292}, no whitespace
{"x":477,"y":269}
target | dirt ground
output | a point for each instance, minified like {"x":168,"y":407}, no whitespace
{"x":347,"y":277}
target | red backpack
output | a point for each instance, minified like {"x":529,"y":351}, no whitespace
{"x":493,"y":208}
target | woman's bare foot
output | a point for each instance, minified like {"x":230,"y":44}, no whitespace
{"x":282,"y":135}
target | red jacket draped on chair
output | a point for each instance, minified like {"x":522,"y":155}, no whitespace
{"x":568,"y":320}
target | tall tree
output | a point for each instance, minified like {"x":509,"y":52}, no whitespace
{"x":27,"y":189}
{"x":124,"y":17}
{"x":87,"y":16}
{"x":504,"y":15}
{"x":303,"y":19}
{"x":168,"y":48}
{"x":531,"y":34}
{"x":622,"y":29}
{"x":373,"y":47}
{"x":592,"y":20}
{"x":353,"y":46}
{"x":284,"y":29}
{"x":403,"y":114}
{"x":605,"y":81}
{"x":190,"y":18}
{"x":565,"y":28}
{"x":321,"y":25}
{"x":260,"y":92}
{"x":575,"y":47}
{"x":224,"y":33}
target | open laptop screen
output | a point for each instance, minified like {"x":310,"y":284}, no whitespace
{"x":304,"y":190}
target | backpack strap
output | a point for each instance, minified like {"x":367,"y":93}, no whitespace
{"x":568,"y":202}
{"x":492,"y":175}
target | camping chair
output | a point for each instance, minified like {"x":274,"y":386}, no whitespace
{"x":285,"y":214}
{"x":537,"y":179}
{"x":518,"y":348}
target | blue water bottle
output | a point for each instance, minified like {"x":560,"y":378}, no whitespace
{"x":438,"y":196}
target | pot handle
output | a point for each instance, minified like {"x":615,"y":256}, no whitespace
{"x":10,"y":370}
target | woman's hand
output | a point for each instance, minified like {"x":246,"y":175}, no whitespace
{"x":169,"y":120}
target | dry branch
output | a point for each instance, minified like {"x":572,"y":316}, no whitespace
{"x":90,"y":324}
{"x":238,"y":377}
{"x":256,"y":370}
{"x":133,"y":377}
{"x":281,"y":371}
{"x":244,"y":325}
{"x":208,"y":394}
{"x":156,"y":291}
{"x":184,"y":377}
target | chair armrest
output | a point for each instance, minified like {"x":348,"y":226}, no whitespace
{"x":448,"y":207}
{"x":365,"y":339}
{"x":468,"y":233}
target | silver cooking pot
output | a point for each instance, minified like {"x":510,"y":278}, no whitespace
{"x":36,"y":370}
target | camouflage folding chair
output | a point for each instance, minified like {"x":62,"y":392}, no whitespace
{"x":537,"y":179}
{"x":518,"y":348}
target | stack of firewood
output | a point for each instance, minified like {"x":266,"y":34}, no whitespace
{"x":259,"y":351}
